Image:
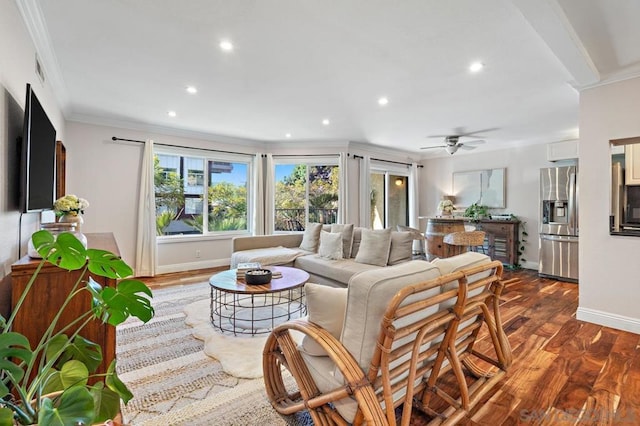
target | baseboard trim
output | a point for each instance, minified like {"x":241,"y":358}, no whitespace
{"x":182,"y":267}
{"x":607,"y":319}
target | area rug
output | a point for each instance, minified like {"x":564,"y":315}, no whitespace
{"x":240,"y":355}
{"x":175,"y":383}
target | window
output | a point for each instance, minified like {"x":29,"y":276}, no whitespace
{"x":389,"y":199}
{"x":305,"y":192}
{"x":189,"y":188}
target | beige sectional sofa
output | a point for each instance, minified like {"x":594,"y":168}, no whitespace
{"x":284,"y":249}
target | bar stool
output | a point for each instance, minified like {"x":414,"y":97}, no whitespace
{"x":418,"y":249}
{"x":473,"y":240}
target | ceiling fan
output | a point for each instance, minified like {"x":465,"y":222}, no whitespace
{"x":452,"y":144}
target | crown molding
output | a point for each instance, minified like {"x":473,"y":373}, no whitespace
{"x":169,"y":131}
{"x":35,"y":23}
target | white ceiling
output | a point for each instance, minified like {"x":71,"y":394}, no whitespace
{"x":295,"y":62}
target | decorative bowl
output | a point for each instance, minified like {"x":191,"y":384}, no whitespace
{"x":257,"y":276}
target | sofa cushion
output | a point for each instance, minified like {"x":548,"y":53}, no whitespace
{"x":346,"y":231}
{"x":311,"y":237}
{"x":401,"y":248}
{"x":330,"y":245}
{"x":357,"y":238}
{"x":367,"y":299}
{"x":325,"y":306}
{"x":336,"y":270}
{"x":374,"y":247}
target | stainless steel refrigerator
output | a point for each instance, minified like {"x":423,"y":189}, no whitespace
{"x":559,"y":223}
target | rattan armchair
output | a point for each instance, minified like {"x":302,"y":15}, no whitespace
{"x":418,"y":350}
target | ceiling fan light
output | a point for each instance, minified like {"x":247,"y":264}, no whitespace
{"x":451,"y":149}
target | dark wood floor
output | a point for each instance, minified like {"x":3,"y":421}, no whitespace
{"x":565,"y":371}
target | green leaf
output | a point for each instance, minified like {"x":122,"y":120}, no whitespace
{"x":75,"y":406}
{"x":118,"y":304}
{"x":74,"y":373}
{"x":106,"y":264}
{"x":114,"y":383}
{"x":6,"y":416}
{"x":53,"y":383}
{"x":14,"y":348}
{"x":106,"y":403}
{"x":83,"y":350}
{"x":55,"y":347}
{"x":65,"y":251}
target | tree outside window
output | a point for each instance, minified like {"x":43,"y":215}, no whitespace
{"x":305,"y":193}
{"x":182,"y":185}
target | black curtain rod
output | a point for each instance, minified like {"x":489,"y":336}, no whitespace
{"x":388,"y":161}
{"x":306,"y":155}
{"x":113,"y":138}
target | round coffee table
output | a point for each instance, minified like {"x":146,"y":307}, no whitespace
{"x":241,"y":308}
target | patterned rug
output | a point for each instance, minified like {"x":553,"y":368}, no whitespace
{"x":175,"y":382}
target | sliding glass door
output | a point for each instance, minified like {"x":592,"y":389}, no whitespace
{"x":389,"y":199}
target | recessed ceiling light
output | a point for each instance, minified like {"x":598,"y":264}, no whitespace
{"x":288,"y":136}
{"x":171,"y":113}
{"x":192,"y":89}
{"x":383,"y":101}
{"x":226,"y":45}
{"x":476,"y":66}
{"x":326,"y":122}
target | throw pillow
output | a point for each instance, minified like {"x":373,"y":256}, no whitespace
{"x":401,"y":248}
{"x":330,"y":245}
{"x":374,"y":247}
{"x":326,"y":307}
{"x":311,"y":237}
{"x":347,"y":237}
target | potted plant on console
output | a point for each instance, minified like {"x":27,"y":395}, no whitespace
{"x":476,"y":212}
{"x":49,"y":384}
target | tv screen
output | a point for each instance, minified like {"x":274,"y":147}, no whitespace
{"x":38,"y":157}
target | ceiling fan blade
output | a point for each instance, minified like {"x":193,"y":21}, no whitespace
{"x":430,"y":147}
{"x":475,"y":142}
{"x":467,"y":147}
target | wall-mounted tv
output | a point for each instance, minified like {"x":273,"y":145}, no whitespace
{"x":38,"y":171}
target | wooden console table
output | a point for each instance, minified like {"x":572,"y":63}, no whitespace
{"x":501,"y":239}
{"x":49,"y":292}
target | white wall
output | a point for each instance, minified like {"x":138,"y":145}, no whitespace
{"x":107,"y":174}
{"x":17,"y":68}
{"x":609,"y":270}
{"x":522,"y":165}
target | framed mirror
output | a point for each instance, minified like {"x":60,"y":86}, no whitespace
{"x":484,"y":187}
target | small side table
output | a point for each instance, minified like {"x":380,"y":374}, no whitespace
{"x":241,"y":308}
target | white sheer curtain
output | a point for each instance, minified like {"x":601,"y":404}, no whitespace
{"x":269,"y":191}
{"x":258,"y":195}
{"x":414,"y":197}
{"x":343,"y":196}
{"x":146,"y":251}
{"x":365,"y":192}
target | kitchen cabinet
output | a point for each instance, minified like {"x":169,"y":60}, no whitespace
{"x":501,"y":239}
{"x":632,"y":164}
{"x":50,"y":290}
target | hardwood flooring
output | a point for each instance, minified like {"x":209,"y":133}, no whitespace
{"x":565,"y":371}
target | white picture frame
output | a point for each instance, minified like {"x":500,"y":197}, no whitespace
{"x":485,"y":187}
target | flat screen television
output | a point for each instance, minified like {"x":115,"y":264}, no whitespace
{"x":38,"y":168}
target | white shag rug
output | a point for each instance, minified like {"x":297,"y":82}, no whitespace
{"x":240,"y":356}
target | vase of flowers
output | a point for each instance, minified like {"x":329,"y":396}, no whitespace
{"x":70,"y":209}
{"x":446,"y":207}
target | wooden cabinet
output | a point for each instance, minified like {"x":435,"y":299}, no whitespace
{"x":501,"y":240}
{"x":632,"y":164}
{"x":49,"y":292}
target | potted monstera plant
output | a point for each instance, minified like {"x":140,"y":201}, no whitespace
{"x":49,"y":384}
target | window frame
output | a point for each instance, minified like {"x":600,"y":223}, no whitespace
{"x":386,"y":170}
{"x":206,"y":157}
{"x":328,"y":160}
